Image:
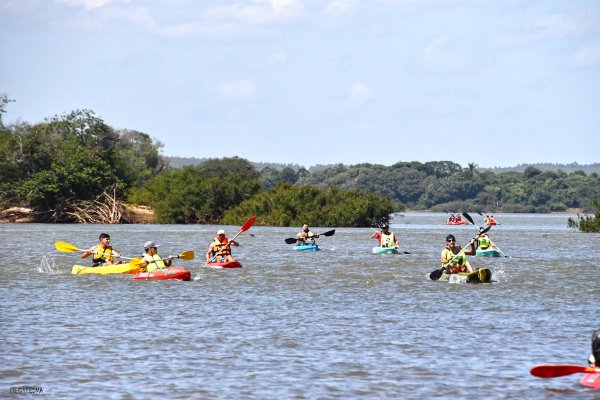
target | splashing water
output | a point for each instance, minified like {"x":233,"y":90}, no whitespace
{"x":47,"y":266}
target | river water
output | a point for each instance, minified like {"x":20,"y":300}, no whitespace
{"x":341,"y":323}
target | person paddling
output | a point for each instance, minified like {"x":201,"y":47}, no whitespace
{"x":103,"y":252}
{"x":220,"y":248}
{"x":306,"y":235}
{"x":151,"y":261}
{"x":386,"y":238}
{"x":483,"y":241}
{"x":454,"y":257}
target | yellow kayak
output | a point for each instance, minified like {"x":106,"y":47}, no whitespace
{"x":129,"y":268}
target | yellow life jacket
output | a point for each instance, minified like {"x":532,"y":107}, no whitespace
{"x":102,"y":255}
{"x":483,"y":242}
{"x":386,"y":240}
{"x":153,"y":262}
{"x":456,"y":260}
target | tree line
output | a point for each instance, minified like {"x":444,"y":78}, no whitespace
{"x":76,"y":168}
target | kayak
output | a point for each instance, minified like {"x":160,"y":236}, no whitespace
{"x":175,"y":272}
{"x":385,"y":250}
{"x":310,"y":247}
{"x":481,"y":275}
{"x":490,"y":223}
{"x":106,"y":269}
{"x":457,"y":223}
{"x":225,"y":264}
{"x":488,"y":253}
{"x":591,"y":380}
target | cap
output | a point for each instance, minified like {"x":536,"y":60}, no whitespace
{"x":220,"y":232}
{"x":149,"y":244}
{"x":450,"y":237}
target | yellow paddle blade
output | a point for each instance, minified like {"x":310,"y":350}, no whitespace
{"x":187,"y":255}
{"x":66,"y":247}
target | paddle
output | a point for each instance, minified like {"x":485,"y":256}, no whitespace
{"x":244,"y":228}
{"x":374,"y":230}
{"x":556,"y":370}
{"x":437,"y":274}
{"x":294,"y":240}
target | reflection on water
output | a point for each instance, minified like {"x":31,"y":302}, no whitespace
{"x":339,"y":323}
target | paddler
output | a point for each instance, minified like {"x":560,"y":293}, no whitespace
{"x":594,"y":359}
{"x":151,"y":261}
{"x":103,"y":252}
{"x":483,"y":241}
{"x":306,"y":235}
{"x":220,"y":248}
{"x":386,"y":238}
{"x":455,"y":257}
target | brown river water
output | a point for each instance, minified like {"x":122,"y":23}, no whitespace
{"x":341,"y":323}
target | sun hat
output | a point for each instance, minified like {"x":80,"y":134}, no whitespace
{"x":149,"y":244}
{"x":220,"y":232}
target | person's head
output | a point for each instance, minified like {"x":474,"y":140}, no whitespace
{"x":104,"y":238}
{"x":221,"y":233}
{"x":450,"y":240}
{"x":150,"y":247}
{"x":305,"y":227}
{"x":481,"y":230}
{"x":385,"y":229}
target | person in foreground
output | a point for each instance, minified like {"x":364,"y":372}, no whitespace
{"x":594,"y":359}
{"x":103,"y":252}
{"x":306,"y":235}
{"x":454,"y":257}
{"x":483,"y":241}
{"x":220,"y":248}
{"x":386,"y":238}
{"x":151,"y":260}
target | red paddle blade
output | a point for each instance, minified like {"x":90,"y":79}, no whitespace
{"x":248,"y":224}
{"x":554,"y":371}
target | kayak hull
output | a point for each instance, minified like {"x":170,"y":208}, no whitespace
{"x":481,"y":275}
{"x":106,"y":269}
{"x":488,"y":253}
{"x":457,"y":223}
{"x":591,"y":380}
{"x":307,"y":247}
{"x":226,"y":264}
{"x":174,"y":272}
{"x":385,"y":250}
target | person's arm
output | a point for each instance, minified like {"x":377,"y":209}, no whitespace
{"x":233,"y":243}
{"x":208,"y":252}
{"x":472,"y":248}
{"x":168,"y":261}
{"x":396,"y":242}
{"x":88,"y":252}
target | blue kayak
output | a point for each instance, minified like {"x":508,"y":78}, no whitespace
{"x":310,"y":247}
{"x":488,"y":253}
{"x":385,"y":250}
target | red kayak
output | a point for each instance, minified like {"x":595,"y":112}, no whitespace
{"x":457,"y":223}
{"x":591,"y":380}
{"x":174,"y":272}
{"x":226,"y":264}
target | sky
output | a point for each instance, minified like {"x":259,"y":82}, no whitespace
{"x":496,"y":83}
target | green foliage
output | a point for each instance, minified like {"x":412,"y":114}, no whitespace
{"x":55,"y":165}
{"x":287,"y":205}
{"x":199,"y":194}
{"x":587,"y":223}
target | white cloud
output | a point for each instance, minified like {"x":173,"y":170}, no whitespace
{"x":359,"y":93}
{"x":341,"y":7}
{"x":588,"y":56}
{"x":258,"y":12}
{"x":236,"y":90}
{"x":87,"y":4}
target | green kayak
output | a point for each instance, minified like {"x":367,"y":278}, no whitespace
{"x":488,"y":253}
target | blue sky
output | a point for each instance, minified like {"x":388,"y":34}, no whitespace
{"x":496,"y":83}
